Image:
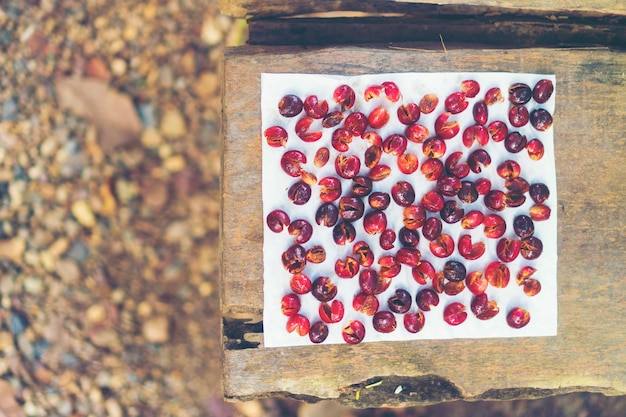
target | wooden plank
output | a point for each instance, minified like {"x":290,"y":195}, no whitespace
{"x":589,"y":352}
{"x":266,"y":8}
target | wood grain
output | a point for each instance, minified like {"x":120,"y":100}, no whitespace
{"x":267,"y":8}
{"x":589,"y":352}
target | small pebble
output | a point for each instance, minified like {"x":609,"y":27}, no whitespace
{"x":68,"y":270}
{"x":6,"y":341}
{"x":33,"y":285}
{"x":83,"y":213}
{"x":146,"y":114}
{"x":151,"y":138}
{"x":173,"y":123}
{"x":113,"y":408}
{"x":13,"y":249}
{"x":174,"y":163}
{"x":19,"y":323}
{"x":156,"y":330}
{"x":95,"y":313}
{"x":9,"y":110}
{"x":118,"y":67}
{"x":78,"y":251}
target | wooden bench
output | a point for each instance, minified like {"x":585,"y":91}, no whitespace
{"x":589,"y":352}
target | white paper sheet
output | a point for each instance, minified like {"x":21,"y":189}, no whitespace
{"x":413,"y":86}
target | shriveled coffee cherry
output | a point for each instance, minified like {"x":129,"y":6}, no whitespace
{"x":375,"y":222}
{"x":468,"y":193}
{"x":508,"y":249}
{"x":451,"y":212}
{"x":290,"y":106}
{"x":392,"y":92}
{"x":523,"y":226}
{"x":532,"y":287}
{"x":414,"y":322}
{"x":290,"y":304}
{"x":332,"y":119}
{"x":432,"y":228}
{"x":351,"y":208}
{"x":543,"y":91}
{"x":379,"y":200}
{"x":347,"y":268}
{"x":448,"y":185}
{"x":331,"y":312}
{"x":353,"y":332}
{"x":416,"y":133}
{"x":373,"y":138}
{"x":495,"y":226}
{"x":476,"y":282}
{"x":535,"y":149}
{"x":378,"y":117}
{"x":315,"y":108}
{"x":514,"y":199}
{"x":372,"y":92}
{"x":480,"y":112}
{"x":432,"y":169}
{"x":389,"y":266}
{"x":539,"y":192}
{"x":439,"y":283}
{"x":276,"y":136}
{"x":472,"y":219}
{"x":341,"y":139}
{"x":327,"y":215}
{"x":517,"y":185}
{"x":525,"y":273}
{"x":318,"y":332}
{"x":395,"y":144}
{"x":470,"y":88}
{"x":498,"y":130}
{"x":433,"y":201}
{"x":372,"y":283}
{"x":414,"y":217}
{"x":294,"y":259}
{"x":454,"y":271}
{"x":344,"y":233}
{"x":347,"y":166}
{"x":478,"y":160}
{"x":515,"y":142}
{"x":299,"y":193}
{"x":277,"y":220}
{"x":518,"y":317}
{"x":321,"y":157}
{"x":443,"y":246}
{"x":434,"y":148}
{"x":475,"y":133}
{"x":541,"y":119}
{"x":532,"y":247}
{"x":409,"y":256}
{"x":483,"y":308}
{"x":408,"y":238}
{"x":423,"y":272}
{"x":323,"y":289}
{"x":361,"y":186}
{"x":408,"y":113}
{"x":426,"y":299}
{"x":428,"y":103}
{"x":379,"y":172}
{"x":372,"y":156}
{"x":408,"y":163}
{"x":363,"y":254}
{"x":299,"y":324}
{"x":301,"y":229}
{"x":493,"y":96}
{"x":384,"y":322}
{"x":291,"y":162}
{"x":455,"y":103}
{"x":509,"y":169}
{"x":400,"y":301}
{"x":453,"y":288}
{"x":483,"y":185}
{"x":387,"y":239}
{"x":455,"y":167}
{"x":445,"y":128}
{"x":300,"y":283}
{"x":356,"y":123}
{"x":302,"y":130}
{"x":469,"y":250}
{"x":454,"y":314}
{"x":365,"y":303}
{"x":497,"y":274}
{"x":495,"y":200}
{"x":344,"y":96}
{"x":539,"y":212}
{"x":520,"y":93}
{"x":316,"y":254}
{"x":403,"y":193}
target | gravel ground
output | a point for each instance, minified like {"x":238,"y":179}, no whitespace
{"x":109,"y":176}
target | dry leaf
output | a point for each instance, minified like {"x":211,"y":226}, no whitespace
{"x":110,"y":111}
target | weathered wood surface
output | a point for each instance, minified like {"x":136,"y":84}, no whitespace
{"x":589,"y":352}
{"x":268,"y":8}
